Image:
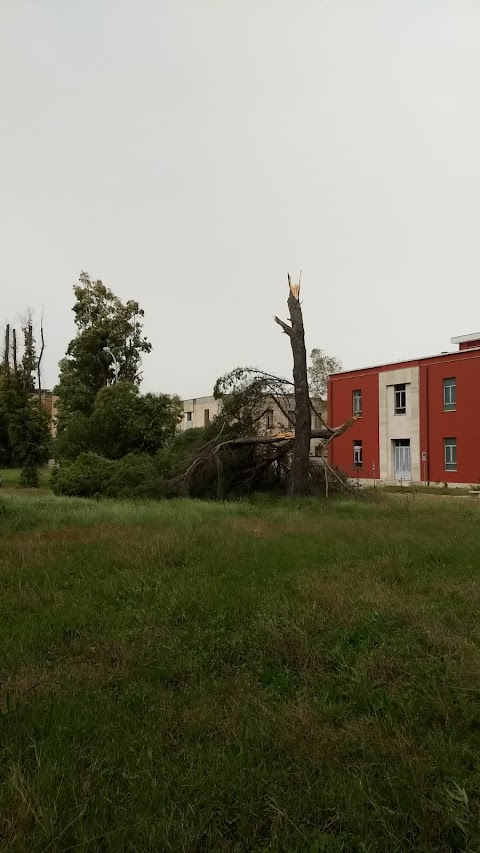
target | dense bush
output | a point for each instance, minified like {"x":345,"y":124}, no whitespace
{"x":91,"y":475}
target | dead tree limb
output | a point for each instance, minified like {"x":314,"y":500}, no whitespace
{"x":283,"y":410}
{"x":6,"y":353}
{"x":318,"y":414}
{"x":326,"y":465}
{"x":14,"y":350}
{"x":39,"y":361}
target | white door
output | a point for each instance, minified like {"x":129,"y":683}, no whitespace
{"x":403,"y":468}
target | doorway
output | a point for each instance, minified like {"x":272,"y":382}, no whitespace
{"x":401,"y":459}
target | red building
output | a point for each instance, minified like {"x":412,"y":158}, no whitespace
{"x":418,"y":420}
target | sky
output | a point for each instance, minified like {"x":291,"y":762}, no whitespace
{"x":190,"y":153}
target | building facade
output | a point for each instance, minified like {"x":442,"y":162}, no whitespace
{"x":49,"y":402}
{"x":199,"y":411}
{"x":418,"y":421}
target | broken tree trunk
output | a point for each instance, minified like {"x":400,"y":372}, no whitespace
{"x":6,"y":353}
{"x":299,"y":470}
{"x":39,"y":362}
{"x":15,"y":350}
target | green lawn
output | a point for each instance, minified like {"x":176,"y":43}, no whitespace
{"x":188,"y":676}
{"x":452,"y":490}
{"x":11,"y":478}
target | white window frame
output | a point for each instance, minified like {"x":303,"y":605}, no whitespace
{"x":449,"y":404}
{"x":357,"y":402}
{"x":398,"y":390}
{"x":450,"y":451}
{"x":357,"y":454}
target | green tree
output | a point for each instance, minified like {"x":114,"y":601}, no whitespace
{"x":103,"y":323}
{"x":123,"y":421}
{"x":321,"y":366}
{"x":24,"y":430}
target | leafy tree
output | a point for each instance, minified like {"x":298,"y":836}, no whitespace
{"x":123,"y":421}
{"x":321,"y":366}
{"x":103,"y":322}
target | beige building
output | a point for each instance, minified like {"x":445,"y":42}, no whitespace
{"x":49,"y":402}
{"x":403,"y":433}
{"x":198,"y":412}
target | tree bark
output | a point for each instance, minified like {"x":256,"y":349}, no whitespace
{"x":299,"y":471}
{"x":14,"y":350}
{"x":39,"y":362}
{"x":6,"y":354}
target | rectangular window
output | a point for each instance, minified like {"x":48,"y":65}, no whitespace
{"x":357,"y":454}
{"x":269,"y":418}
{"x":317,"y":424}
{"x":450,"y":454}
{"x":291,"y":415}
{"x":449,"y":394}
{"x":189,"y":417}
{"x":357,"y":402}
{"x":206,"y":417}
{"x":400,"y":399}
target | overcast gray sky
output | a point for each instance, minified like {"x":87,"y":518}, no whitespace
{"x":189,"y":153}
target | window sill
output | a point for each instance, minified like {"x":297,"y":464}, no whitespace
{"x":449,"y":410}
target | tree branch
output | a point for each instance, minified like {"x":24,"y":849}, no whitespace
{"x":286,"y":328}
{"x":39,"y":361}
{"x":284,"y":412}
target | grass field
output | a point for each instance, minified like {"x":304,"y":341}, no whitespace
{"x":10,"y":478}
{"x":186,"y":676}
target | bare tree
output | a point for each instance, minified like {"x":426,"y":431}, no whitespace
{"x":298,"y":479}
{"x":14,"y":350}
{"x":6,"y":352}
{"x":39,"y":361}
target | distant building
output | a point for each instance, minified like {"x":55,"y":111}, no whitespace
{"x":49,"y":402}
{"x":418,"y":420}
{"x":200,"y":411}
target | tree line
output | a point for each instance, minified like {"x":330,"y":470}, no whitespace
{"x":112,"y":439}
{"x":24,"y":426}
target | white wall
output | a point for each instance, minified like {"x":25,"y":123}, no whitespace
{"x":198,"y":406}
{"x":392,"y":426}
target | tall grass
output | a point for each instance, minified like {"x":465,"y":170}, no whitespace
{"x":187,"y":676}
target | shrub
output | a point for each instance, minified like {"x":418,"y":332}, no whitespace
{"x":90,"y":475}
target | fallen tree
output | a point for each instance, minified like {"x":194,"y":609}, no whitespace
{"x":244,"y":394}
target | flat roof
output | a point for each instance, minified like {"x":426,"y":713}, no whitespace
{"x":465,"y":339}
{"x":459,"y":353}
